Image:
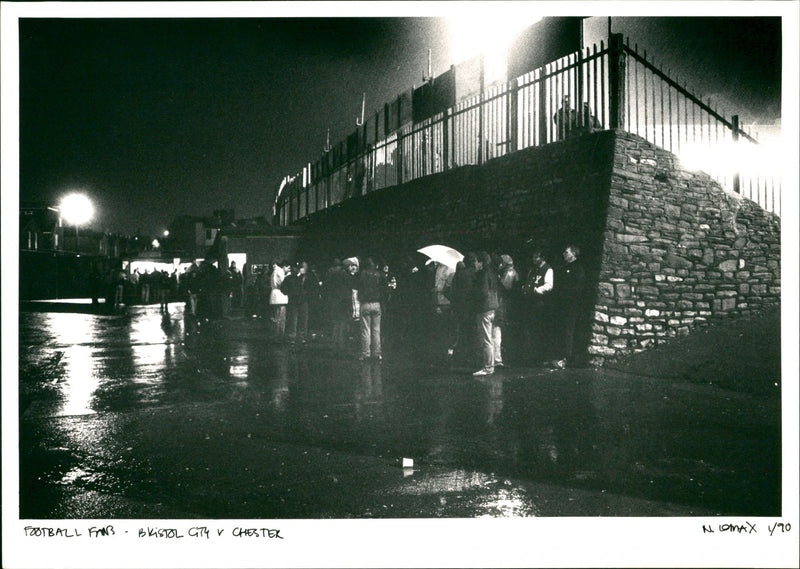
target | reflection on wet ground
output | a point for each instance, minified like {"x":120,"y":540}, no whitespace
{"x":139,"y":415}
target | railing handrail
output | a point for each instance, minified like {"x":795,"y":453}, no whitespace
{"x":685,"y":92}
{"x":508,"y":116}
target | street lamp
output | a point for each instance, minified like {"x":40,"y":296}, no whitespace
{"x":76,"y":209}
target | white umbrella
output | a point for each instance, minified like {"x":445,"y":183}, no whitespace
{"x":442,"y":254}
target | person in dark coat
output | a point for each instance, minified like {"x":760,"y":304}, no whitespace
{"x":485,"y":302}
{"x":536,"y":293}
{"x":461,"y":305}
{"x":300,"y":287}
{"x":568,"y":292}
{"x":369,"y":289}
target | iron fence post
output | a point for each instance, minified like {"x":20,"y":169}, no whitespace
{"x":735,"y":133}
{"x":511,"y":116}
{"x":616,"y":85}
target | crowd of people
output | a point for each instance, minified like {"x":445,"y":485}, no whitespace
{"x":480,"y":312}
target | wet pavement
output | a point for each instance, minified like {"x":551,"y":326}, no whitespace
{"x":135,"y":415}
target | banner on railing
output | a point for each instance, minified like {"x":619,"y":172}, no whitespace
{"x":543,"y":42}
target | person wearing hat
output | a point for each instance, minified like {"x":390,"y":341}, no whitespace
{"x":343,"y":302}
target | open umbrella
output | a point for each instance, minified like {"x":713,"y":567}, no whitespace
{"x":442,"y":254}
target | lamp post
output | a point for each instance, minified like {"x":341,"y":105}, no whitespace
{"x":76,"y":209}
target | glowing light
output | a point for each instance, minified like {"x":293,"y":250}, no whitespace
{"x":155,"y":244}
{"x":76,"y":209}
{"x":724,"y":158}
{"x":477,"y":32}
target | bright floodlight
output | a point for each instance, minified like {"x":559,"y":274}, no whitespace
{"x":76,"y":209}
{"x":478,"y":30}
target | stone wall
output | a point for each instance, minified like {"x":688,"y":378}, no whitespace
{"x":678,"y":252}
{"x":665,"y":250}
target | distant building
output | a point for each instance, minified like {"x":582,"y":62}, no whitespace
{"x":253,"y":244}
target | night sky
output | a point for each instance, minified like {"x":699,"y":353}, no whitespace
{"x":154,"y":118}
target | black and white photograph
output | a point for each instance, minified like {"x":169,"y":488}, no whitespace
{"x":366,"y":284}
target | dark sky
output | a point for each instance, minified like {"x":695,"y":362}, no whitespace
{"x":155,"y":118}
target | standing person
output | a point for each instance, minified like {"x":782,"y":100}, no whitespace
{"x":332,"y":280}
{"x":119,"y":288}
{"x":536,"y":297}
{"x":236,"y":282}
{"x":568,"y":289}
{"x":444,"y":327}
{"x":134,"y":280}
{"x":461,"y":294}
{"x":486,"y":302}
{"x":344,"y":302}
{"x":565,"y":119}
{"x":277,"y":301}
{"x":226,"y":291}
{"x":163,"y":286}
{"x":508,"y":279}
{"x":145,"y":279}
{"x":369,"y":288}
{"x":299,"y":287}
{"x":188,"y":285}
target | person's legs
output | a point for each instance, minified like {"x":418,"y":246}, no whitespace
{"x":302,"y":326}
{"x":366,"y":324}
{"x":497,"y":341}
{"x":485,"y":320}
{"x":291,"y":321}
{"x":375,"y":332}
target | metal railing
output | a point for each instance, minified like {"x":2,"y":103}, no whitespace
{"x":607,"y":87}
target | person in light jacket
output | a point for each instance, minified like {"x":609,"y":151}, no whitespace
{"x":277,"y":300}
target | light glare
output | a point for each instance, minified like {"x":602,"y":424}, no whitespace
{"x":76,"y":209}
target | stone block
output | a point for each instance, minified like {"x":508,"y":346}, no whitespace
{"x":641,"y":250}
{"x":600,"y":317}
{"x":599,"y":340}
{"x":601,"y":350}
{"x":618,"y":320}
{"x":652,"y":313}
{"x":623,"y":290}
{"x":728,"y":304}
{"x":619,"y":343}
{"x":613,"y":330}
{"x":692,"y":296}
{"x":605,"y":290}
{"x":677,"y":261}
{"x":630,"y":238}
{"x":728,"y":266}
{"x":744,"y":288}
